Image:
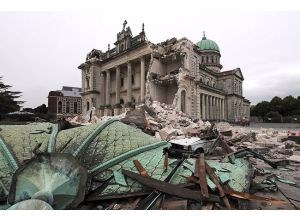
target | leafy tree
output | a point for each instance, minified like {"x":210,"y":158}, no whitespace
{"x":261,"y":109}
{"x":41,"y":109}
{"x":8,"y":102}
{"x":274,"y":117}
{"x":276,"y":104}
{"x":289,"y":105}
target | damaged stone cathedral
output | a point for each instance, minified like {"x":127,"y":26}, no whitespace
{"x":176,"y":72}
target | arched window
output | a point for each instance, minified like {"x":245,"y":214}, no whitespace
{"x":183,"y":101}
{"x":87,"y":106}
{"x":121,"y":101}
{"x":122,"y":81}
{"x":67,"y":107}
{"x":59,"y":107}
{"x":133,"y":100}
{"x":87,"y":80}
{"x":75,"y":107}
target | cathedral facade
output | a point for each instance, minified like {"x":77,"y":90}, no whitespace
{"x":176,"y":71}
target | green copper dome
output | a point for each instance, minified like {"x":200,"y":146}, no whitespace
{"x":207,"y":44}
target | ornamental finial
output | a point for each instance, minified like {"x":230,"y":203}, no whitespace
{"x":124,"y":24}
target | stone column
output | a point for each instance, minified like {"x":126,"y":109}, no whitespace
{"x":203,"y":106}
{"x":143,"y":79}
{"x":207,"y":107}
{"x":210,"y":108}
{"x":223,"y":109}
{"x":117,"y":108}
{"x":129,"y":82}
{"x":107,"y":110}
{"x":213,"y":107}
{"x":107,"y":99}
{"x":102,"y":94}
{"x":219,"y":109}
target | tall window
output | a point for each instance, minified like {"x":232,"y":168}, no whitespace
{"x":87,"y":106}
{"x":183,"y":102}
{"x":87,"y":82}
{"x":75,"y":107}
{"x":67,"y":107}
{"x":59,"y":107}
{"x":132,"y":80}
{"x":122,"y":81}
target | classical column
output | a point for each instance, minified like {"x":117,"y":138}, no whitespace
{"x":118,"y":85}
{"x":142,"y":79}
{"x":220,"y":110}
{"x":102,"y":92}
{"x":107,"y":100}
{"x":117,"y":108}
{"x":207,"y":107}
{"x":129,"y":82}
{"x":210,"y":108}
{"x":223,"y":109}
{"x":203,"y":106}
{"x":217,"y":109}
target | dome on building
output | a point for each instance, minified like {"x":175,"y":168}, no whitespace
{"x":207,"y":44}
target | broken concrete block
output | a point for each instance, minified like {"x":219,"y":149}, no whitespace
{"x":167,"y":132}
{"x":288,"y":152}
{"x":289,"y":144}
{"x":137,"y":117}
{"x":157,"y":135}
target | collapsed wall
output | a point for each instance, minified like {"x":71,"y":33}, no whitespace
{"x":166,"y":74}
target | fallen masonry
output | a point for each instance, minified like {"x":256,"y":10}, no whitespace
{"x":152,"y":157}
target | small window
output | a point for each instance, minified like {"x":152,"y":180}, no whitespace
{"x":133,"y":100}
{"x":87,"y":82}
{"x":122,"y":81}
{"x":132,"y":80}
{"x":59,"y":108}
{"x":121,"y":101}
{"x":87,"y":106}
{"x":67,"y":107}
{"x":75,"y":107}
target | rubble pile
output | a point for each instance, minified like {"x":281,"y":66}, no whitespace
{"x":168,"y":122}
{"x":131,"y":161}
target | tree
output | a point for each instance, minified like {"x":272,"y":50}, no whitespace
{"x":261,"y":109}
{"x":276,"y":104}
{"x":274,"y":117}
{"x":289,"y":105}
{"x":41,"y":109}
{"x":8,"y":98}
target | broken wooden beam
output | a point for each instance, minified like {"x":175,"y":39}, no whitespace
{"x":140,"y":168}
{"x":150,"y":200}
{"x":118,"y":196}
{"x":170,"y":189}
{"x":217,"y":182}
{"x":202,"y":175}
{"x":225,"y":147}
{"x":166,"y":161}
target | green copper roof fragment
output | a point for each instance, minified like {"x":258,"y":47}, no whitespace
{"x":52,"y":139}
{"x":211,"y":184}
{"x":119,"y":178}
{"x":8,"y":155}
{"x":224,"y":178}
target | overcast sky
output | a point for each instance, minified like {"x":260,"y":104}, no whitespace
{"x":40,"y":51}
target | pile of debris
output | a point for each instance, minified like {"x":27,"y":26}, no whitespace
{"x":152,"y":157}
{"x":164,"y":121}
